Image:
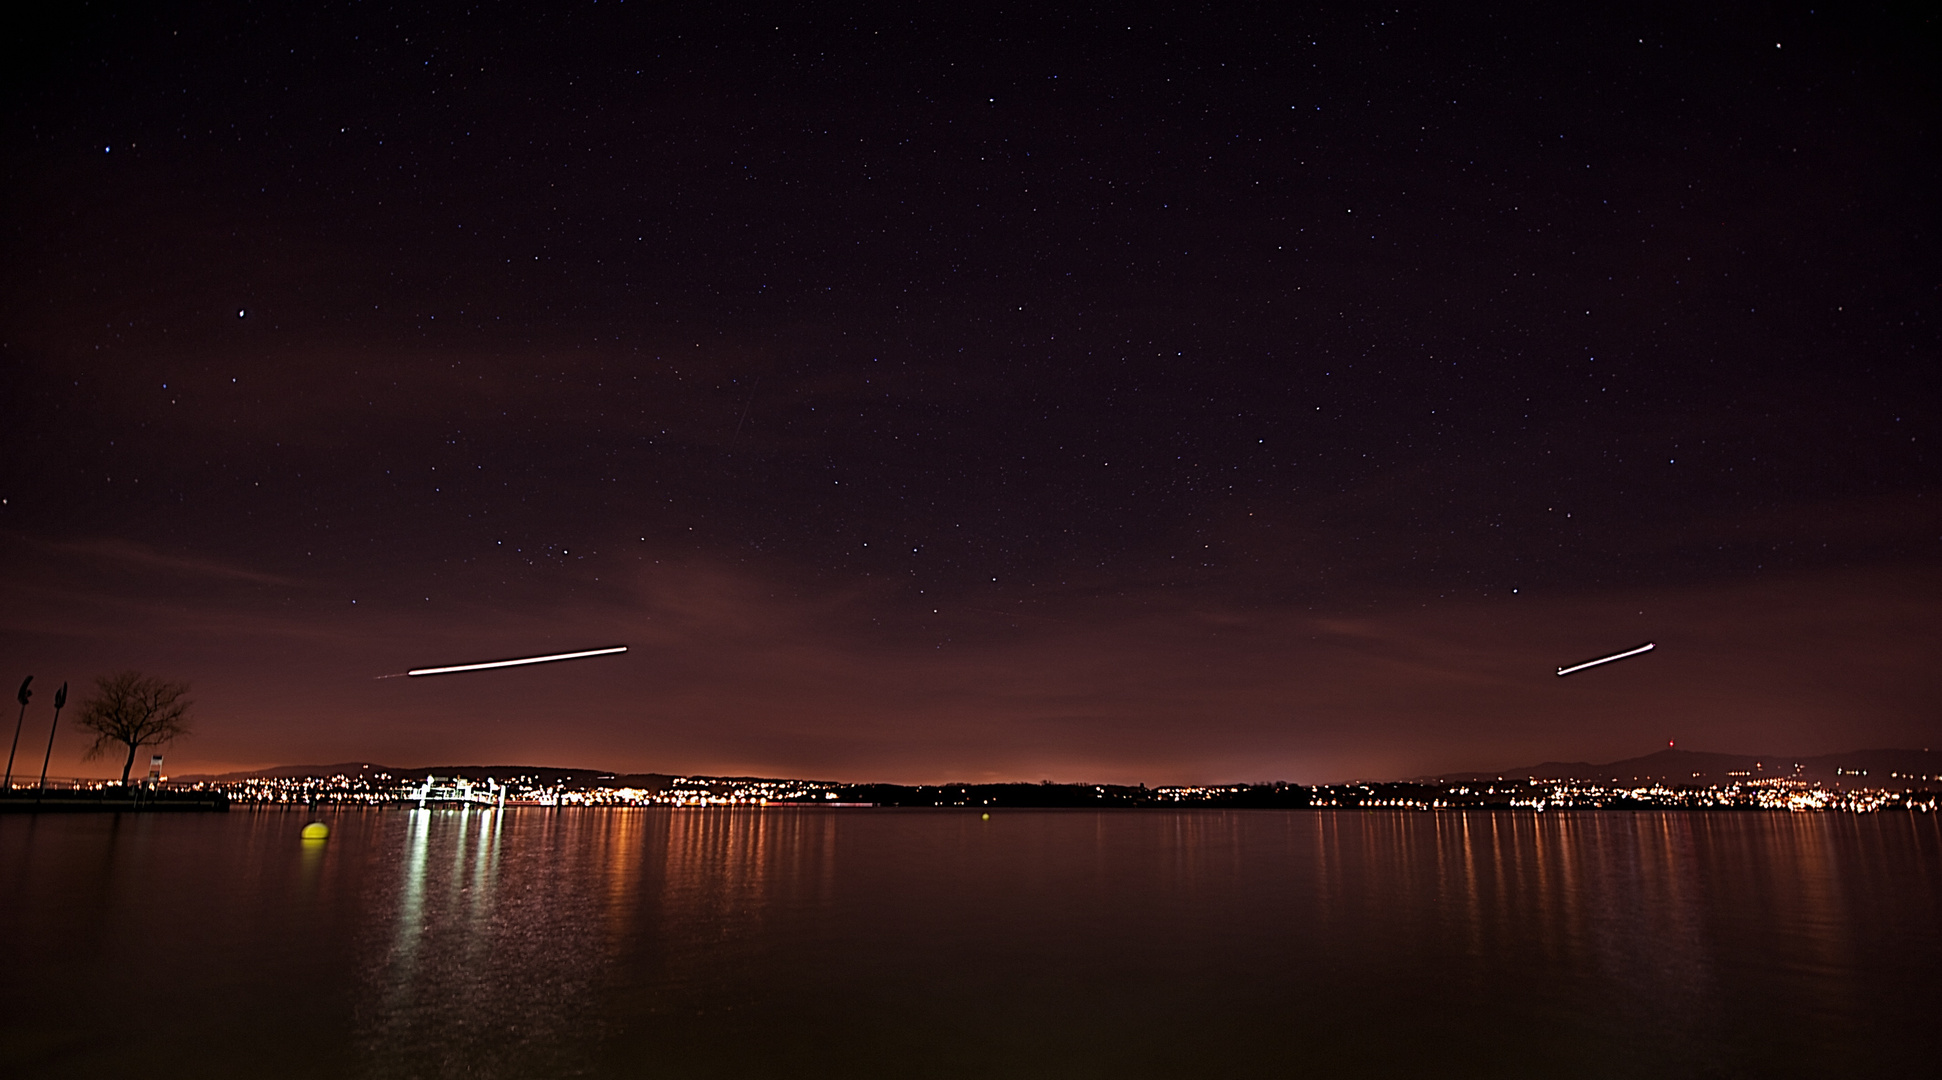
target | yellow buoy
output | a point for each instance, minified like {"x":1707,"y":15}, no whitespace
{"x":316,"y":830}
{"x":987,"y":817}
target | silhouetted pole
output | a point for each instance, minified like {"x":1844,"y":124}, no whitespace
{"x":60,"y":699}
{"x":24,"y":695}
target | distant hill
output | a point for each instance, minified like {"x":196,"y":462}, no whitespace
{"x":544,"y":774}
{"x":1858,"y":768}
{"x":347,"y":768}
{"x":1870,"y":768}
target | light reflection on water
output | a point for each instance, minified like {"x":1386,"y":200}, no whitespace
{"x":646,"y":942}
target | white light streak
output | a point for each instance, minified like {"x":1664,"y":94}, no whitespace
{"x":1647,"y":647}
{"x":515,"y":663}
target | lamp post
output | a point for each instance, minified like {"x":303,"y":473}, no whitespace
{"x":60,"y":699}
{"x":23,"y":695}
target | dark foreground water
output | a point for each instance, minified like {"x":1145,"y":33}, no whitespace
{"x":716,"y":943}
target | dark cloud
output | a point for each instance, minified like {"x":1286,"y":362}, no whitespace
{"x":744,"y":669}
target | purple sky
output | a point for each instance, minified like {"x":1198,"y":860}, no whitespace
{"x":1014,"y":396}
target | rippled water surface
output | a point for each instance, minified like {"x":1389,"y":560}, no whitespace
{"x":863,"y":943}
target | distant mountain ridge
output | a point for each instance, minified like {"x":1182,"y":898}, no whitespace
{"x":545,"y":774}
{"x":1857,"y":768}
{"x":1871,"y":768}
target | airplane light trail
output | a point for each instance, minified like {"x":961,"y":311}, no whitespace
{"x":415,"y":672}
{"x":1647,"y":647}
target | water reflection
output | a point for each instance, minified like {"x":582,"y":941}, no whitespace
{"x":715,"y":942}
{"x":494,"y":955}
{"x":1614,"y":897}
{"x":472,"y":967}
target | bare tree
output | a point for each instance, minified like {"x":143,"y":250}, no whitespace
{"x":135,"y":710}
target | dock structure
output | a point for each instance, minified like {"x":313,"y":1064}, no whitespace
{"x":457,"y":790}
{"x":110,"y":798}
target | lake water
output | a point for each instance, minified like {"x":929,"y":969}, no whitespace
{"x":913,"y":943}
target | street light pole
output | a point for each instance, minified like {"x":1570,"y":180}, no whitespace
{"x":60,"y":699}
{"x":23,"y":695}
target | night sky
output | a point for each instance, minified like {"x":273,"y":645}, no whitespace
{"x":1232,"y":394}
